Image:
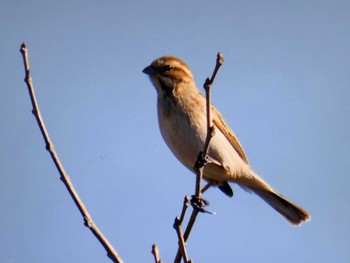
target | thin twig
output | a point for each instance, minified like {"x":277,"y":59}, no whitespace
{"x":182,"y":243}
{"x":155,"y":253}
{"x":199,"y":176}
{"x":199,"y":166}
{"x":207,"y":87}
{"x":206,"y":187}
{"x":202,"y":160}
{"x":193,"y":218}
{"x":184,"y":208}
{"x":178,"y":227}
{"x":190,"y":224}
{"x":112,"y":254}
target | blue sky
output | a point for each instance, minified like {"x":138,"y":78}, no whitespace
{"x":284,"y":89}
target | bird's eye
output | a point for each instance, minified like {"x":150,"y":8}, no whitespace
{"x":167,"y":68}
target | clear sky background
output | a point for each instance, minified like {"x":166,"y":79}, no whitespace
{"x":284,"y":89}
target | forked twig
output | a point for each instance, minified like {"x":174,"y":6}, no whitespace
{"x":112,"y":254}
{"x":178,"y":227}
{"x":202,"y":160}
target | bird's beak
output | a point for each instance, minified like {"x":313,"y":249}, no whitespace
{"x":149,"y":70}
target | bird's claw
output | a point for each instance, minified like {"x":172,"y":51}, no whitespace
{"x":200,"y":204}
{"x":202,"y":160}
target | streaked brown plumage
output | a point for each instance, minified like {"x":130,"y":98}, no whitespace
{"x":182,"y":122}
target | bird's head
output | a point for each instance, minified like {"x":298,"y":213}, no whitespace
{"x":166,"y":72}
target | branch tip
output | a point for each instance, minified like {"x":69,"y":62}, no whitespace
{"x":220,"y":58}
{"x":23,"y":47}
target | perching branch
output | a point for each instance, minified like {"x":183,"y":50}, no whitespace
{"x":197,"y":202}
{"x":207,"y":88}
{"x":112,"y":254}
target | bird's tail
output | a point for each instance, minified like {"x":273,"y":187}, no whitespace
{"x":292,"y":212}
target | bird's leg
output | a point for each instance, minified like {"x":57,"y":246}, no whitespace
{"x":206,"y":187}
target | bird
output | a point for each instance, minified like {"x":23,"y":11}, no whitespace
{"x":182,"y":122}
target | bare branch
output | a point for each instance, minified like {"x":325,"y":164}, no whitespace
{"x":197,"y":202}
{"x":202,"y":157}
{"x":112,"y":254}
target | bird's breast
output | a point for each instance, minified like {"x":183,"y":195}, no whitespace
{"x":183,"y":129}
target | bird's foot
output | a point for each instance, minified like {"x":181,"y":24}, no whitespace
{"x":202,"y":160}
{"x":200,"y":204}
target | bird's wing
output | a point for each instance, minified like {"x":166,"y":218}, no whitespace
{"x":220,"y":123}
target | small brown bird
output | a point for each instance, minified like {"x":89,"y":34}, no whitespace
{"x":183,"y":125}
